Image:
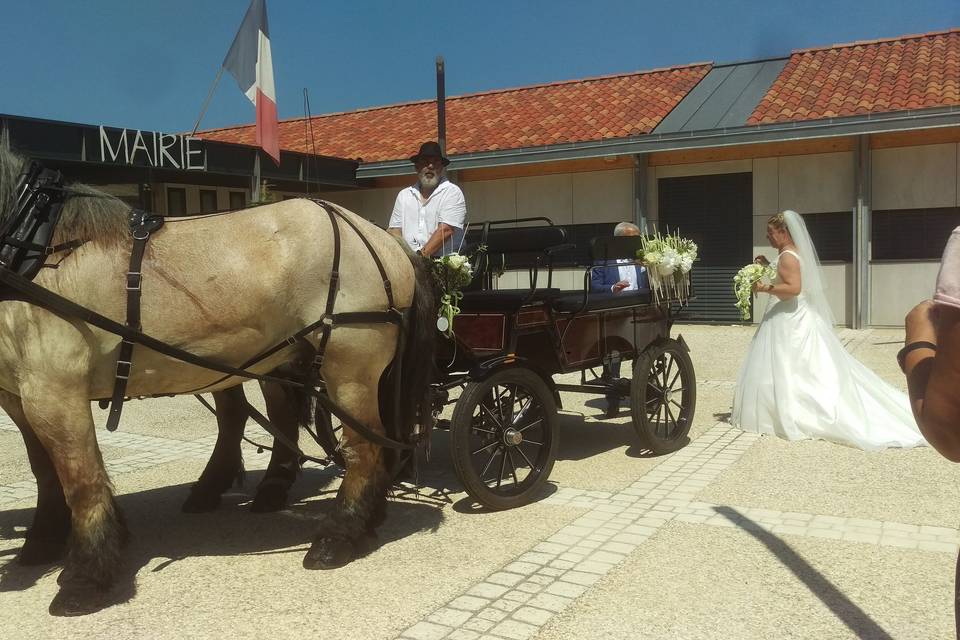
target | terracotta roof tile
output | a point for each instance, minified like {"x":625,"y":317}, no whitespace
{"x":911,"y":72}
{"x":573,"y":111}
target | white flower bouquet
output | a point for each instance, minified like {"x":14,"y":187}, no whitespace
{"x":743,"y":285}
{"x":668,"y":259}
{"x":453,"y":272}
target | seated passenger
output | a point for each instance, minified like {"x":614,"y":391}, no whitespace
{"x":623,"y":275}
{"x":620,"y":277}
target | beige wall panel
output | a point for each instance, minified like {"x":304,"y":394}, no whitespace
{"x":838,"y":280}
{"x":507,"y":281}
{"x":760,"y":244}
{"x":653,"y":199}
{"x":897,"y":287}
{"x":766,"y":194}
{"x":915,"y":177}
{"x":490,"y":199}
{"x":817,"y":183}
{"x":550,"y":196}
{"x":602,"y":196}
{"x":705,"y":168}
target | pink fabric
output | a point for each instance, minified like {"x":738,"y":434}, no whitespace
{"x":948,"y":281}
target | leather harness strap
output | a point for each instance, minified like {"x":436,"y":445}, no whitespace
{"x":141,"y":226}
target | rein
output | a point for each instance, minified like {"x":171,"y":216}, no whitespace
{"x":27,"y":232}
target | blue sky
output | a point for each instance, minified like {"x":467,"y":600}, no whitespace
{"x":148,"y":64}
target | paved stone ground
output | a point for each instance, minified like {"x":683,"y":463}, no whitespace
{"x":733,"y":536}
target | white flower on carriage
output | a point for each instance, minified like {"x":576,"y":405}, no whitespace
{"x":652,"y":258}
{"x":686,"y":262}
{"x":669,"y":261}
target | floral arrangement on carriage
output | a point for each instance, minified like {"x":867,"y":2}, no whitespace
{"x":743,"y":285}
{"x":453,"y":272}
{"x":668,"y":259}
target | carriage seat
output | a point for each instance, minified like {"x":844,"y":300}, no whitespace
{"x":504,"y":300}
{"x":572,"y":301}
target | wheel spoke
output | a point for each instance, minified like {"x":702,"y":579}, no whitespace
{"x":667,"y":431}
{"x":676,"y":404}
{"x":489,"y":412}
{"x":525,"y":458}
{"x":532,"y":424}
{"x":503,"y":463}
{"x":674,"y":378}
{"x":523,"y":412}
{"x":489,"y":462}
{"x":666,"y":371}
{"x":533,"y":442}
{"x":513,"y":467}
{"x":482,"y":449}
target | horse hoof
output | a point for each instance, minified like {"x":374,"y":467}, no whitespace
{"x":269,"y":498}
{"x":74,"y":600}
{"x":329,"y":553}
{"x":201,"y":502}
{"x":37,"y":551}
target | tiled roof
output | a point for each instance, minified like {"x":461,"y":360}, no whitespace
{"x":573,"y":111}
{"x":910,"y":72}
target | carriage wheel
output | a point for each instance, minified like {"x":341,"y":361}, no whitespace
{"x":663,"y":396}
{"x":328,"y":435}
{"x":503,"y":438}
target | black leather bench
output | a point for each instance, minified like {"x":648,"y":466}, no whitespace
{"x":504,"y":300}
{"x":571,"y":301}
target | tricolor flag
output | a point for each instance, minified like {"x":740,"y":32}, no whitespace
{"x":250,"y":63}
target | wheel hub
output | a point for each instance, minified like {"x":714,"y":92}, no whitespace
{"x":512,"y":437}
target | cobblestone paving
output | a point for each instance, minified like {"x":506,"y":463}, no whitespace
{"x":521,"y":597}
{"x":518,"y":598}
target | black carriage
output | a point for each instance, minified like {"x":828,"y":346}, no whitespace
{"x":508,"y":344}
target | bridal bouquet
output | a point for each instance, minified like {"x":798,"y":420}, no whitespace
{"x":668,"y":259}
{"x":453,"y":272}
{"x":743,"y":285}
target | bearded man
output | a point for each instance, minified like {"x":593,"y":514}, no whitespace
{"x":430,"y":216}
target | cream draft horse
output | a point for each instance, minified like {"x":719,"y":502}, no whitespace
{"x":224,"y":287}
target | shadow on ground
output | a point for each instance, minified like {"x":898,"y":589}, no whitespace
{"x":160,"y":530}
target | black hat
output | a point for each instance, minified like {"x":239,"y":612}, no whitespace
{"x":430,"y":149}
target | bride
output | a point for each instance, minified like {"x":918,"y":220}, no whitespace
{"x":798,"y":381}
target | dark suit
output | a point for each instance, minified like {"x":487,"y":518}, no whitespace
{"x":601,"y":281}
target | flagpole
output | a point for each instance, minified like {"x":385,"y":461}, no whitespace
{"x":206,"y":102}
{"x":256,"y":177}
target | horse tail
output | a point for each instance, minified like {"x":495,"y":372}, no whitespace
{"x":409,"y":397}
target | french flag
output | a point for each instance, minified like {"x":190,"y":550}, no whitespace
{"x":250,"y":62}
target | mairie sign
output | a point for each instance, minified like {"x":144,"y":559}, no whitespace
{"x":151,"y":148}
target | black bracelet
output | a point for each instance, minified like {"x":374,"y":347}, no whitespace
{"x":919,"y":344}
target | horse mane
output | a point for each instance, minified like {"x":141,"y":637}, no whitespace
{"x":87,"y":214}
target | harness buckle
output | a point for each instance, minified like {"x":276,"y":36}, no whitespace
{"x":134,"y":280}
{"x":291,"y":340}
{"x":123,"y":369}
{"x":318,"y":360}
{"x":327,"y":321}
{"x":140,"y":234}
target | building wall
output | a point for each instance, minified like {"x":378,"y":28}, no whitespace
{"x":909,"y":178}
{"x":915,"y":177}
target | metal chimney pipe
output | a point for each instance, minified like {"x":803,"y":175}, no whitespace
{"x":441,"y":108}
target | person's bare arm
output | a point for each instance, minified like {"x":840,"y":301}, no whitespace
{"x":933,"y":378}
{"x":788,"y":270}
{"x":435,"y":243}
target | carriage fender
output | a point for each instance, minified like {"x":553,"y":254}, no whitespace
{"x":486,"y":369}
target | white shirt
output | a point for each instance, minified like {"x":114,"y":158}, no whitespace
{"x":628,"y":272}
{"x":417,"y":220}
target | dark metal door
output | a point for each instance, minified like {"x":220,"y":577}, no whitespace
{"x":716,"y":212}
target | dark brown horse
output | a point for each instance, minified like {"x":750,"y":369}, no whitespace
{"x":225,"y":288}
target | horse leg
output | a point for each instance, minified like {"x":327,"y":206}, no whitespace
{"x":226,"y":462}
{"x":283,"y":412}
{"x":361,"y":501}
{"x":63,"y":423}
{"x":46,"y":540}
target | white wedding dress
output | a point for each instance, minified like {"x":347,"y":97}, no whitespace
{"x":798,"y":381}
